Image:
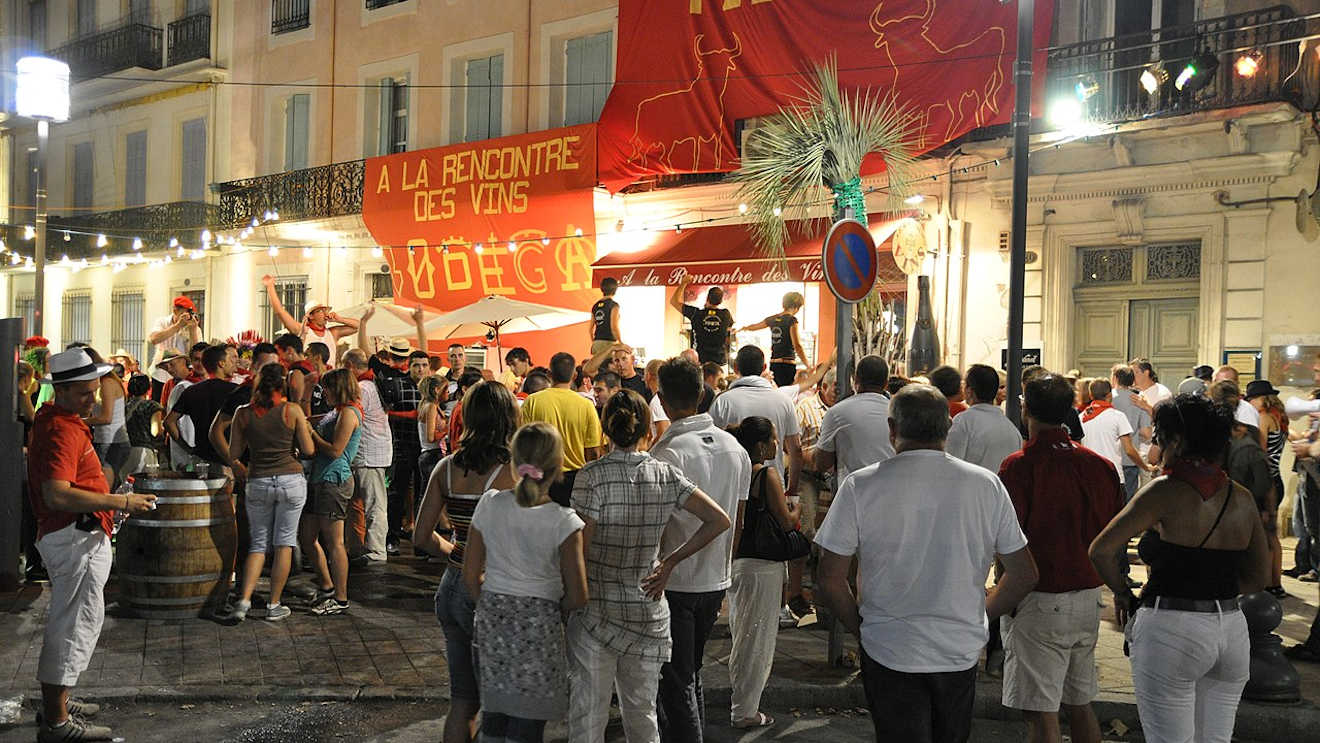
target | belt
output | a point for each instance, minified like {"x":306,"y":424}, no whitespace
{"x":1204,"y":606}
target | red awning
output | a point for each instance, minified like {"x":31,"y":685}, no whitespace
{"x":725,"y":255}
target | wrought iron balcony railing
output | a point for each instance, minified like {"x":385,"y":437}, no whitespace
{"x":1108,"y":73}
{"x":190,"y":38}
{"x":155,"y":224}
{"x":313,"y":193}
{"x":130,"y":45}
{"x":289,"y":15}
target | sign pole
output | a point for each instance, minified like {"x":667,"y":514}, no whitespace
{"x":843,"y":336}
{"x":1017,"y":265}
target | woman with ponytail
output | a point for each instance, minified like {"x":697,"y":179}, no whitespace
{"x":457,"y":484}
{"x":524,"y":566}
{"x":269,"y":428}
{"x":620,"y":640}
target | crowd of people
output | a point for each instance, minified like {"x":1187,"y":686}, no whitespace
{"x":594,"y":519}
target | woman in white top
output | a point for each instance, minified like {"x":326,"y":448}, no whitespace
{"x":430,"y":423}
{"x":525,"y":567}
{"x":109,"y":431}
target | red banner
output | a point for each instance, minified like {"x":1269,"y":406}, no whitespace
{"x":949,"y":61}
{"x":510,"y":216}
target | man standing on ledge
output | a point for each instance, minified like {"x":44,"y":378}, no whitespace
{"x":710,"y":324}
{"x":75,"y":518}
{"x":313,"y":328}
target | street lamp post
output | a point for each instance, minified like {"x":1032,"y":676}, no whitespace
{"x":42,"y":94}
{"x":1017,"y":264}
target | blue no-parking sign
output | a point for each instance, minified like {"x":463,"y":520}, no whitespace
{"x":849,"y":260}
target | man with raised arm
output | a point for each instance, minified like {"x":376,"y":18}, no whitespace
{"x":313,"y":327}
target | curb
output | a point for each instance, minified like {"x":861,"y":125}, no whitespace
{"x":1255,"y":721}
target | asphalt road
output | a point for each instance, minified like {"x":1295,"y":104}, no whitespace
{"x":416,"y":722}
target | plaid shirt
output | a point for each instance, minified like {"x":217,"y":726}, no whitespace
{"x":810,"y":412}
{"x":399,"y":394}
{"x":630,"y":496}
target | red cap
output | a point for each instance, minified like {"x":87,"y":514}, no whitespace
{"x":185,"y":303}
{"x":36,"y":341}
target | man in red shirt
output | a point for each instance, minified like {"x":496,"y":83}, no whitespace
{"x":1064,"y":495}
{"x":75,"y":517}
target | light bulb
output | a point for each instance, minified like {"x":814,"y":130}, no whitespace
{"x":545,"y":241}
{"x":307,"y":252}
{"x":174,"y":242}
{"x":377,"y":252}
{"x":777,"y":211}
{"x":578,"y":232}
{"x":513,"y":246}
{"x":101,"y":241}
{"x":341,"y":251}
{"x":678,"y":228}
{"x":179,"y":251}
{"x":29,"y":232}
{"x":914,"y":199}
{"x":478,"y":248}
{"x":206,"y":236}
{"x":273,"y":251}
{"x":742,"y":208}
{"x":104,"y":259}
{"x":137,"y":243}
{"x":67,"y":237}
{"x":255,"y":223}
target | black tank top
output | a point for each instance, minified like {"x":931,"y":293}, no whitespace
{"x":1177,"y":571}
{"x":710,"y":332}
{"x":781,"y":336}
{"x":600,"y":313}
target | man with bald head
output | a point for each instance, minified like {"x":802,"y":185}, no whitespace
{"x":1245,"y":413}
{"x":923,"y":615}
{"x":707,"y":391}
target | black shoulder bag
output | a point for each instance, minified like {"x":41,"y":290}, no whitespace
{"x":762,"y":537}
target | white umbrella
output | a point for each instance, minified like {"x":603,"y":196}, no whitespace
{"x":385,"y":324}
{"x":502,"y":315}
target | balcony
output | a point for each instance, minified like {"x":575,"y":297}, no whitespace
{"x":190,"y":38}
{"x":1113,"y":67}
{"x":313,"y":193}
{"x":128,"y":46}
{"x":289,"y":15}
{"x":155,"y":224}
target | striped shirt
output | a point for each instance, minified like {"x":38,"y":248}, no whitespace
{"x":630,"y":496}
{"x":810,"y":412}
{"x":460,"y":507}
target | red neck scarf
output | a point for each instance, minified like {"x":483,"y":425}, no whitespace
{"x":367,"y":376}
{"x":1095,"y":408}
{"x":276,"y":398}
{"x":1205,"y":477}
{"x":318,"y":329}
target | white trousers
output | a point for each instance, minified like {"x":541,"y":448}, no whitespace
{"x":79,"y":565}
{"x":1188,"y":671}
{"x":755,"y":596}
{"x":593,"y":672}
{"x":369,"y":485}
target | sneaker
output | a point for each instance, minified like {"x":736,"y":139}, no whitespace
{"x":1294,"y":572}
{"x":85,"y":710}
{"x":1277,"y":592}
{"x":319,"y":596}
{"x":330,"y":606}
{"x":1309,"y":576}
{"x":72,"y":729}
{"x":36,"y":574}
{"x":392,"y":549}
{"x":277,"y":612}
{"x":786,"y":618}
{"x":800,"y":606}
{"x":237,"y":614}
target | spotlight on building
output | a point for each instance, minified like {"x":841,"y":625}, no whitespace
{"x":1086,"y":88}
{"x":1065,"y":113}
{"x":1248,"y":63}
{"x":1153,"y":78}
{"x":1197,"y":73}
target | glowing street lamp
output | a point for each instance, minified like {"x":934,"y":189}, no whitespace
{"x":42,"y":93}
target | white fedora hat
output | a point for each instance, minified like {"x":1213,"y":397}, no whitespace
{"x":74,"y":365}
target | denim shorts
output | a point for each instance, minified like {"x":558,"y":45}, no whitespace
{"x":455,"y":611}
{"x":274,"y":505}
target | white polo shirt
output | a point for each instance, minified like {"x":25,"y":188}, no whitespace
{"x":925,"y":528}
{"x":1102,"y":436}
{"x":856,"y":430}
{"x":749,"y":396}
{"x":717,"y":464}
{"x":984,"y":436}
{"x":1154,"y":395}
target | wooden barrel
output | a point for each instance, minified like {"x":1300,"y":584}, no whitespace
{"x":175,"y":562}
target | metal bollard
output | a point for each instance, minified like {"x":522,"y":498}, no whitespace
{"x":1273,"y":679}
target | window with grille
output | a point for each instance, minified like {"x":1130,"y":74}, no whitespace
{"x":26,"y":307}
{"x":76,"y":317}
{"x":588,"y":74}
{"x":193,"y":177}
{"x":292,"y":292}
{"x":1173,"y":262}
{"x":127,"y":324}
{"x":135,"y":169}
{"x":381,"y":286}
{"x":198,"y":297}
{"x":1106,"y":265}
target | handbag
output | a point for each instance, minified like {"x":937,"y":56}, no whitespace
{"x":763,"y":538}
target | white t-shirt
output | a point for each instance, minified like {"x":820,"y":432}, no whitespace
{"x":857,"y":431}
{"x":179,"y":455}
{"x":925,"y":528}
{"x":749,"y":396}
{"x":1247,"y":414}
{"x":178,"y":341}
{"x":1102,"y":436}
{"x":657,"y":414}
{"x":984,"y":436}
{"x":1154,"y":395}
{"x":522,"y":544}
{"x":717,"y":464}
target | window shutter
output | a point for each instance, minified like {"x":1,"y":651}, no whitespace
{"x":602,"y":58}
{"x":495,"y":125}
{"x":295,"y":131}
{"x":86,"y":17}
{"x":139,"y":11}
{"x":399,"y":115}
{"x":576,"y":92}
{"x":478,"y":100}
{"x":135,"y":169}
{"x":82,"y":175}
{"x":194,"y":161}
{"x":385,"y":115}
{"x":194,"y":7}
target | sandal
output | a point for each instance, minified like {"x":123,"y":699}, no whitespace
{"x":762,"y":720}
{"x":1303,"y":652}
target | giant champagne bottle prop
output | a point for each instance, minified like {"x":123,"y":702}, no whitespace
{"x":925,"y":352}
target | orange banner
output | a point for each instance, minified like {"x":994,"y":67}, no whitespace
{"x":510,"y":216}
